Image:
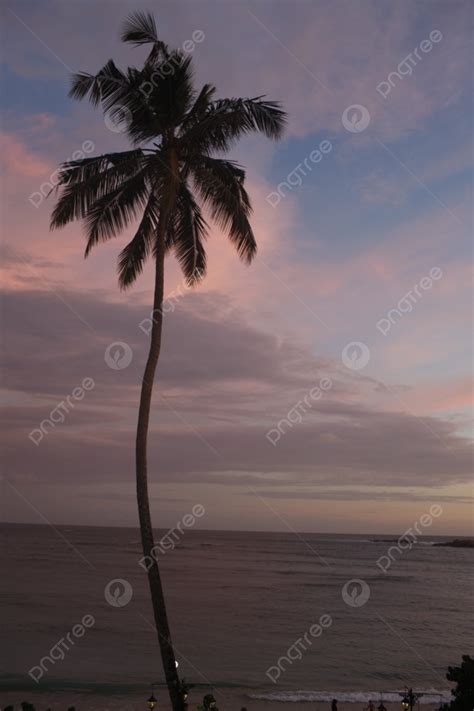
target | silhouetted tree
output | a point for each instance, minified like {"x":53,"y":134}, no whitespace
{"x":208,"y":704}
{"x":463,"y":694}
{"x":168,"y":176}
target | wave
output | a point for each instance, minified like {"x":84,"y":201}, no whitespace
{"x":392,"y":540}
{"x":348,"y":540}
{"x":430,"y":696}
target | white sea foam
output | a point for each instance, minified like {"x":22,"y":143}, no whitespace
{"x":430,"y":696}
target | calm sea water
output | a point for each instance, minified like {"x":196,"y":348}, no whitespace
{"x":237,"y":603}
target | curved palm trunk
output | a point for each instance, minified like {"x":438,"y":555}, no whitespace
{"x":154,"y":579}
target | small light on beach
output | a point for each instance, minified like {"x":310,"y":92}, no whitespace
{"x":409,"y":699}
{"x":184,"y":689}
{"x":152,"y":702}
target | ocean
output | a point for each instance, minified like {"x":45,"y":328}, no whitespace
{"x":255,"y":616}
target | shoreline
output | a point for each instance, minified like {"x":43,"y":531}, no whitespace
{"x":227,"y":700}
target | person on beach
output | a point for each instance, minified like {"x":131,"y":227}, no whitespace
{"x":370,"y":706}
{"x":334,"y":705}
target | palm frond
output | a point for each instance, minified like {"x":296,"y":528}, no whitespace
{"x":220,"y":184}
{"x":88,"y":169}
{"x":122,"y":97}
{"x":114,"y":85}
{"x":216,"y":130}
{"x":87,"y":180}
{"x":109,"y":81}
{"x":139,"y":28}
{"x":113,"y":212}
{"x":265,"y":116}
{"x":152,"y":99}
{"x":186,"y":236}
{"x":199,"y":107}
{"x":132,"y":258}
{"x":83,"y":84}
{"x":226,"y":120}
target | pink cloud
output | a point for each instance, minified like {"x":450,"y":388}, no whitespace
{"x":19,"y":160}
{"x":452,"y":395}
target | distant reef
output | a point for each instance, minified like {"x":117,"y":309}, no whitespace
{"x":458,"y":543}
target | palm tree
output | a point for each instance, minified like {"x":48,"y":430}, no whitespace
{"x":163,"y":183}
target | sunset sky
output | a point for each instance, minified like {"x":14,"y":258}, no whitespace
{"x":356,"y":229}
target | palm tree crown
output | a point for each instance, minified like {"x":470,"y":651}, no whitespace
{"x":172,"y":172}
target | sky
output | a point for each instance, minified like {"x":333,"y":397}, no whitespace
{"x":327,"y":387}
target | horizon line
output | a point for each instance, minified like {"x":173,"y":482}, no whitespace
{"x":231,"y":530}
